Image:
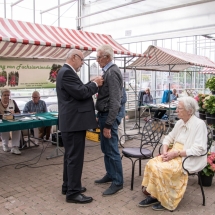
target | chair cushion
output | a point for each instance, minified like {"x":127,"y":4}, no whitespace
{"x":135,"y":153}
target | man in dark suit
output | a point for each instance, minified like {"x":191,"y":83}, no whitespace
{"x":76,"y":115}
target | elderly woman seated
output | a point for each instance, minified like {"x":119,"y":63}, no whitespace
{"x":164,"y":178}
{"x":8,"y":105}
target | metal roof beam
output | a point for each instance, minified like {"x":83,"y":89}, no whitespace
{"x":151,"y":12}
{"x":44,"y":11}
{"x":111,"y":8}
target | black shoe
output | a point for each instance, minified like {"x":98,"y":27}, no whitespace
{"x":104,"y":180}
{"x":158,"y":207}
{"x":83,"y":189}
{"x":113,"y":189}
{"x":80,"y":198}
{"x":148,"y":201}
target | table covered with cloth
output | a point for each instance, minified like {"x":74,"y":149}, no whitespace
{"x":48,"y":119}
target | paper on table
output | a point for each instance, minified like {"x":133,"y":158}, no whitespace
{"x":40,"y":117}
{"x":25,"y":119}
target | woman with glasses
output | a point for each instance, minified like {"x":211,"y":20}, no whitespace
{"x":164,"y":178}
{"x":9,"y":106}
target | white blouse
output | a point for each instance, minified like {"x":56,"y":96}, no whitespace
{"x":193,"y":135}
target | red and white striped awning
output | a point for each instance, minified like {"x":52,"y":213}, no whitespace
{"x":27,"y":40}
{"x":208,"y":71}
{"x":162,"y":59}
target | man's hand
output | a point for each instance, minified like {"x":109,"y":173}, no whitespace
{"x":99,"y":80}
{"x":107,"y":133}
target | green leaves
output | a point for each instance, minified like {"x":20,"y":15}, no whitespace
{"x":209,"y":104}
{"x":210,"y":83}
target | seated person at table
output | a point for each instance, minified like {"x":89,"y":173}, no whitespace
{"x":36,"y":105}
{"x":173,"y":96}
{"x":147,"y":97}
{"x":164,"y":178}
{"x":8,"y":105}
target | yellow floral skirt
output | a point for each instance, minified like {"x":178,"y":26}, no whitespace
{"x":166,"y":181}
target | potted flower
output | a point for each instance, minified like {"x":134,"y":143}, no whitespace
{"x":200,"y":99}
{"x":209,"y":105}
{"x":208,"y":172}
{"x":210,"y":83}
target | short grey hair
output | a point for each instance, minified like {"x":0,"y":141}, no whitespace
{"x":4,"y":90}
{"x":106,"y":49}
{"x":190,"y":104}
{"x":37,"y":93}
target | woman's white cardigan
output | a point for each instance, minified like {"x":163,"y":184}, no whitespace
{"x":193,"y":135}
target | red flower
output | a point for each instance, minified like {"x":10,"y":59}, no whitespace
{"x":2,"y":79}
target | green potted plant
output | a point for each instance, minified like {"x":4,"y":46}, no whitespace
{"x":209,"y":105}
{"x":200,"y":99}
{"x":210,"y":83}
{"x":208,"y":172}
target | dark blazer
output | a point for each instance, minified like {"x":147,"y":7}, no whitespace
{"x":75,"y":104}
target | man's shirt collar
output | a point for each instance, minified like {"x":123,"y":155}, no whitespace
{"x":105,"y":68}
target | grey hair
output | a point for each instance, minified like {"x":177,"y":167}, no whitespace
{"x":36,"y":92}
{"x":106,"y":49}
{"x":4,"y":90}
{"x":190,"y":104}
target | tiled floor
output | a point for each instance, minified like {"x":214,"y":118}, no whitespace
{"x":30,"y":184}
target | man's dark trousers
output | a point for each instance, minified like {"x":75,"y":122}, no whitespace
{"x":74,"y":144}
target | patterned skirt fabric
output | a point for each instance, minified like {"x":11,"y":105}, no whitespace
{"x":166,"y":181}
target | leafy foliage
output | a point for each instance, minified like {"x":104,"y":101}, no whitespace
{"x":209,"y":104}
{"x":210,"y":83}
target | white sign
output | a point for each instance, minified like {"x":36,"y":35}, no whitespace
{"x":28,"y":74}
{"x":169,"y":79}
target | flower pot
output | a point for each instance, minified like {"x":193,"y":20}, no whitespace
{"x":202,"y":115}
{"x":206,"y":180}
{"x":210,"y":119}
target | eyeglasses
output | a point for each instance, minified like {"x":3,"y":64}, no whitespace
{"x":35,"y":97}
{"x":6,"y":95}
{"x":82,"y":59}
{"x":99,"y":57}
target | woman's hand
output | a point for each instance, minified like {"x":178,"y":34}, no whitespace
{"x":168,"y":156}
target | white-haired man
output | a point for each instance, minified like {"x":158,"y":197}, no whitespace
{"x":108,"y":105}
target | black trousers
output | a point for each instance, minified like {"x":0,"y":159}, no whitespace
{"x":74,"y":144}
